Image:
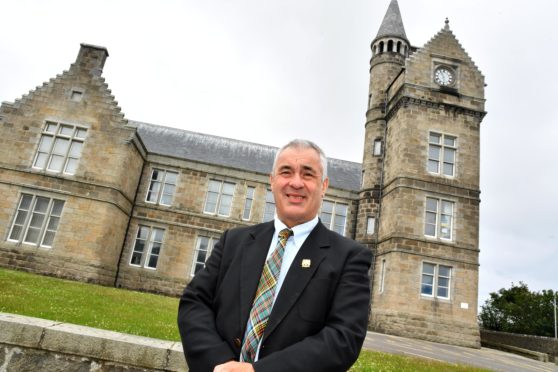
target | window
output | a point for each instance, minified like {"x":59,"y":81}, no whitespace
{"x":383,"y":276}
{"x":334,"y":216}
{"x":248,"y":203}
{"x":204,"y":245}
{"x":439,"y":218}
{"x":269,"y":211}
{"x":219,"y":198}
{"x":60,"y":148}
{"x":377,"y":147}
{"x":441,"y":154}
{"x":370,"y":225}
{"x":161,"y":187}
{"x":36,"y":220}
{"x":76,"y":95}
{"x":435,"y":280}
{"x":147,"y":247}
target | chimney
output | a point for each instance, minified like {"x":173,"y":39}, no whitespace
{"x":92,"y":58}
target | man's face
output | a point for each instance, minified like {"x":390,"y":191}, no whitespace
{"x":297,"y":186}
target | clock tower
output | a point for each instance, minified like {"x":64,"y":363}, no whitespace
{"x":419,"y":200}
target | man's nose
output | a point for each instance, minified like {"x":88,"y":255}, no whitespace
{"x":296,"y":181}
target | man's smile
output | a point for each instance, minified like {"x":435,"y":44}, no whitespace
{"x":295,"y":197}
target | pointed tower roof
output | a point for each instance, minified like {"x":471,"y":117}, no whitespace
{"x":392,"y":25}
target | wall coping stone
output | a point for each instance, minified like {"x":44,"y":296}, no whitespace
{"x":96,"y":343}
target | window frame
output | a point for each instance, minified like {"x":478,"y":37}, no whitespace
{"x":438,"y":226}
{"x":269,"y":201}
{"x":370,"y":225}
{"x":210,"y":244}
{"x":31,"y":212}
{"x":443,"y":148}
{"x":73,"y":138}
{"x":436,"y":276}
{"x":334,"y":213}
{"x":248,"y":202}
{"x":382,"y":276}
{"x":145,"y":257}
{"x":162,"y":184}
{"x":377,"y":147}
{"x":219,"y":199}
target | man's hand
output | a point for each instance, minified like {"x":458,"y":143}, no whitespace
{"x":233,"y":366}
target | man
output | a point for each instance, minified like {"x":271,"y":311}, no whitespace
{"x":286,"y":295}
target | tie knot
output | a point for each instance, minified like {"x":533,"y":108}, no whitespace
{"x":284,"y":236}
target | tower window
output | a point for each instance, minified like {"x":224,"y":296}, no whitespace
{"x":390,"y":46}
{"x":381,"y":46}
{"x":398,"y":47}
{"x":438,"y":218}
{"x":383,"y":276}
{"x":441,"y":154}
{"x":377,"y":151}
{"x":370,"y":225}
{"x":435,"y":280}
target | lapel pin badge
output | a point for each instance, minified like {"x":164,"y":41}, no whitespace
{"x":306,"y":263}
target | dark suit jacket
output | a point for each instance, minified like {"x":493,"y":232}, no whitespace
{"x":319,"y":319}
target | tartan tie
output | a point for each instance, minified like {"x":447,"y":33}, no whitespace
{"x":263,"y":302}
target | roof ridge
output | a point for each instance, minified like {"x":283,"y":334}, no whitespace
{"x":203,"y":134}
{"x":263,"y":146}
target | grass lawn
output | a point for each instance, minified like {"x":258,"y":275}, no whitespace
{"x":141,"y":314}
{"x":373,"y":361}
{"x":92,"y":305}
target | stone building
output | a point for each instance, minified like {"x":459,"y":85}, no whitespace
{"x":90,"y":195}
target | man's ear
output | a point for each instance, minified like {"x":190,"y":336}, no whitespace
{"x":325,"y":184}
{"x":271,"y":180}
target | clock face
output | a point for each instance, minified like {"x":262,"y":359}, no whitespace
{"x":444,"y":76}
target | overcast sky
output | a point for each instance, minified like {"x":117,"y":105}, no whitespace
{"x":269,"y":71}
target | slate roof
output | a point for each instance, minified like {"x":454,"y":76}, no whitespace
{"x":392,"y":25}
{"x":205,"y":148}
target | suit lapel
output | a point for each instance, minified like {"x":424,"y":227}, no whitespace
{"x":314,"y":249}
{"x":254,"y":254}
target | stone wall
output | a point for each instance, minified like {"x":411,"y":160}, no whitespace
{"x":32,"y":344}
{"x":545,"y":345}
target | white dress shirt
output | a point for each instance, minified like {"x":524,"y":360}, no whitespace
{"x":300,"y":233}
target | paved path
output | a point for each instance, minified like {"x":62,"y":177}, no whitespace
{"x":485,"y":358}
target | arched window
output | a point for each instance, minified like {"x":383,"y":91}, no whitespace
{"x":381,"y":46}
{"x":390,"y":46}
{"x":398,"y":47}
{"x":373,"y":50}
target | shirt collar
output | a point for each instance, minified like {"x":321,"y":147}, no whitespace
{"x":300,"y":232}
